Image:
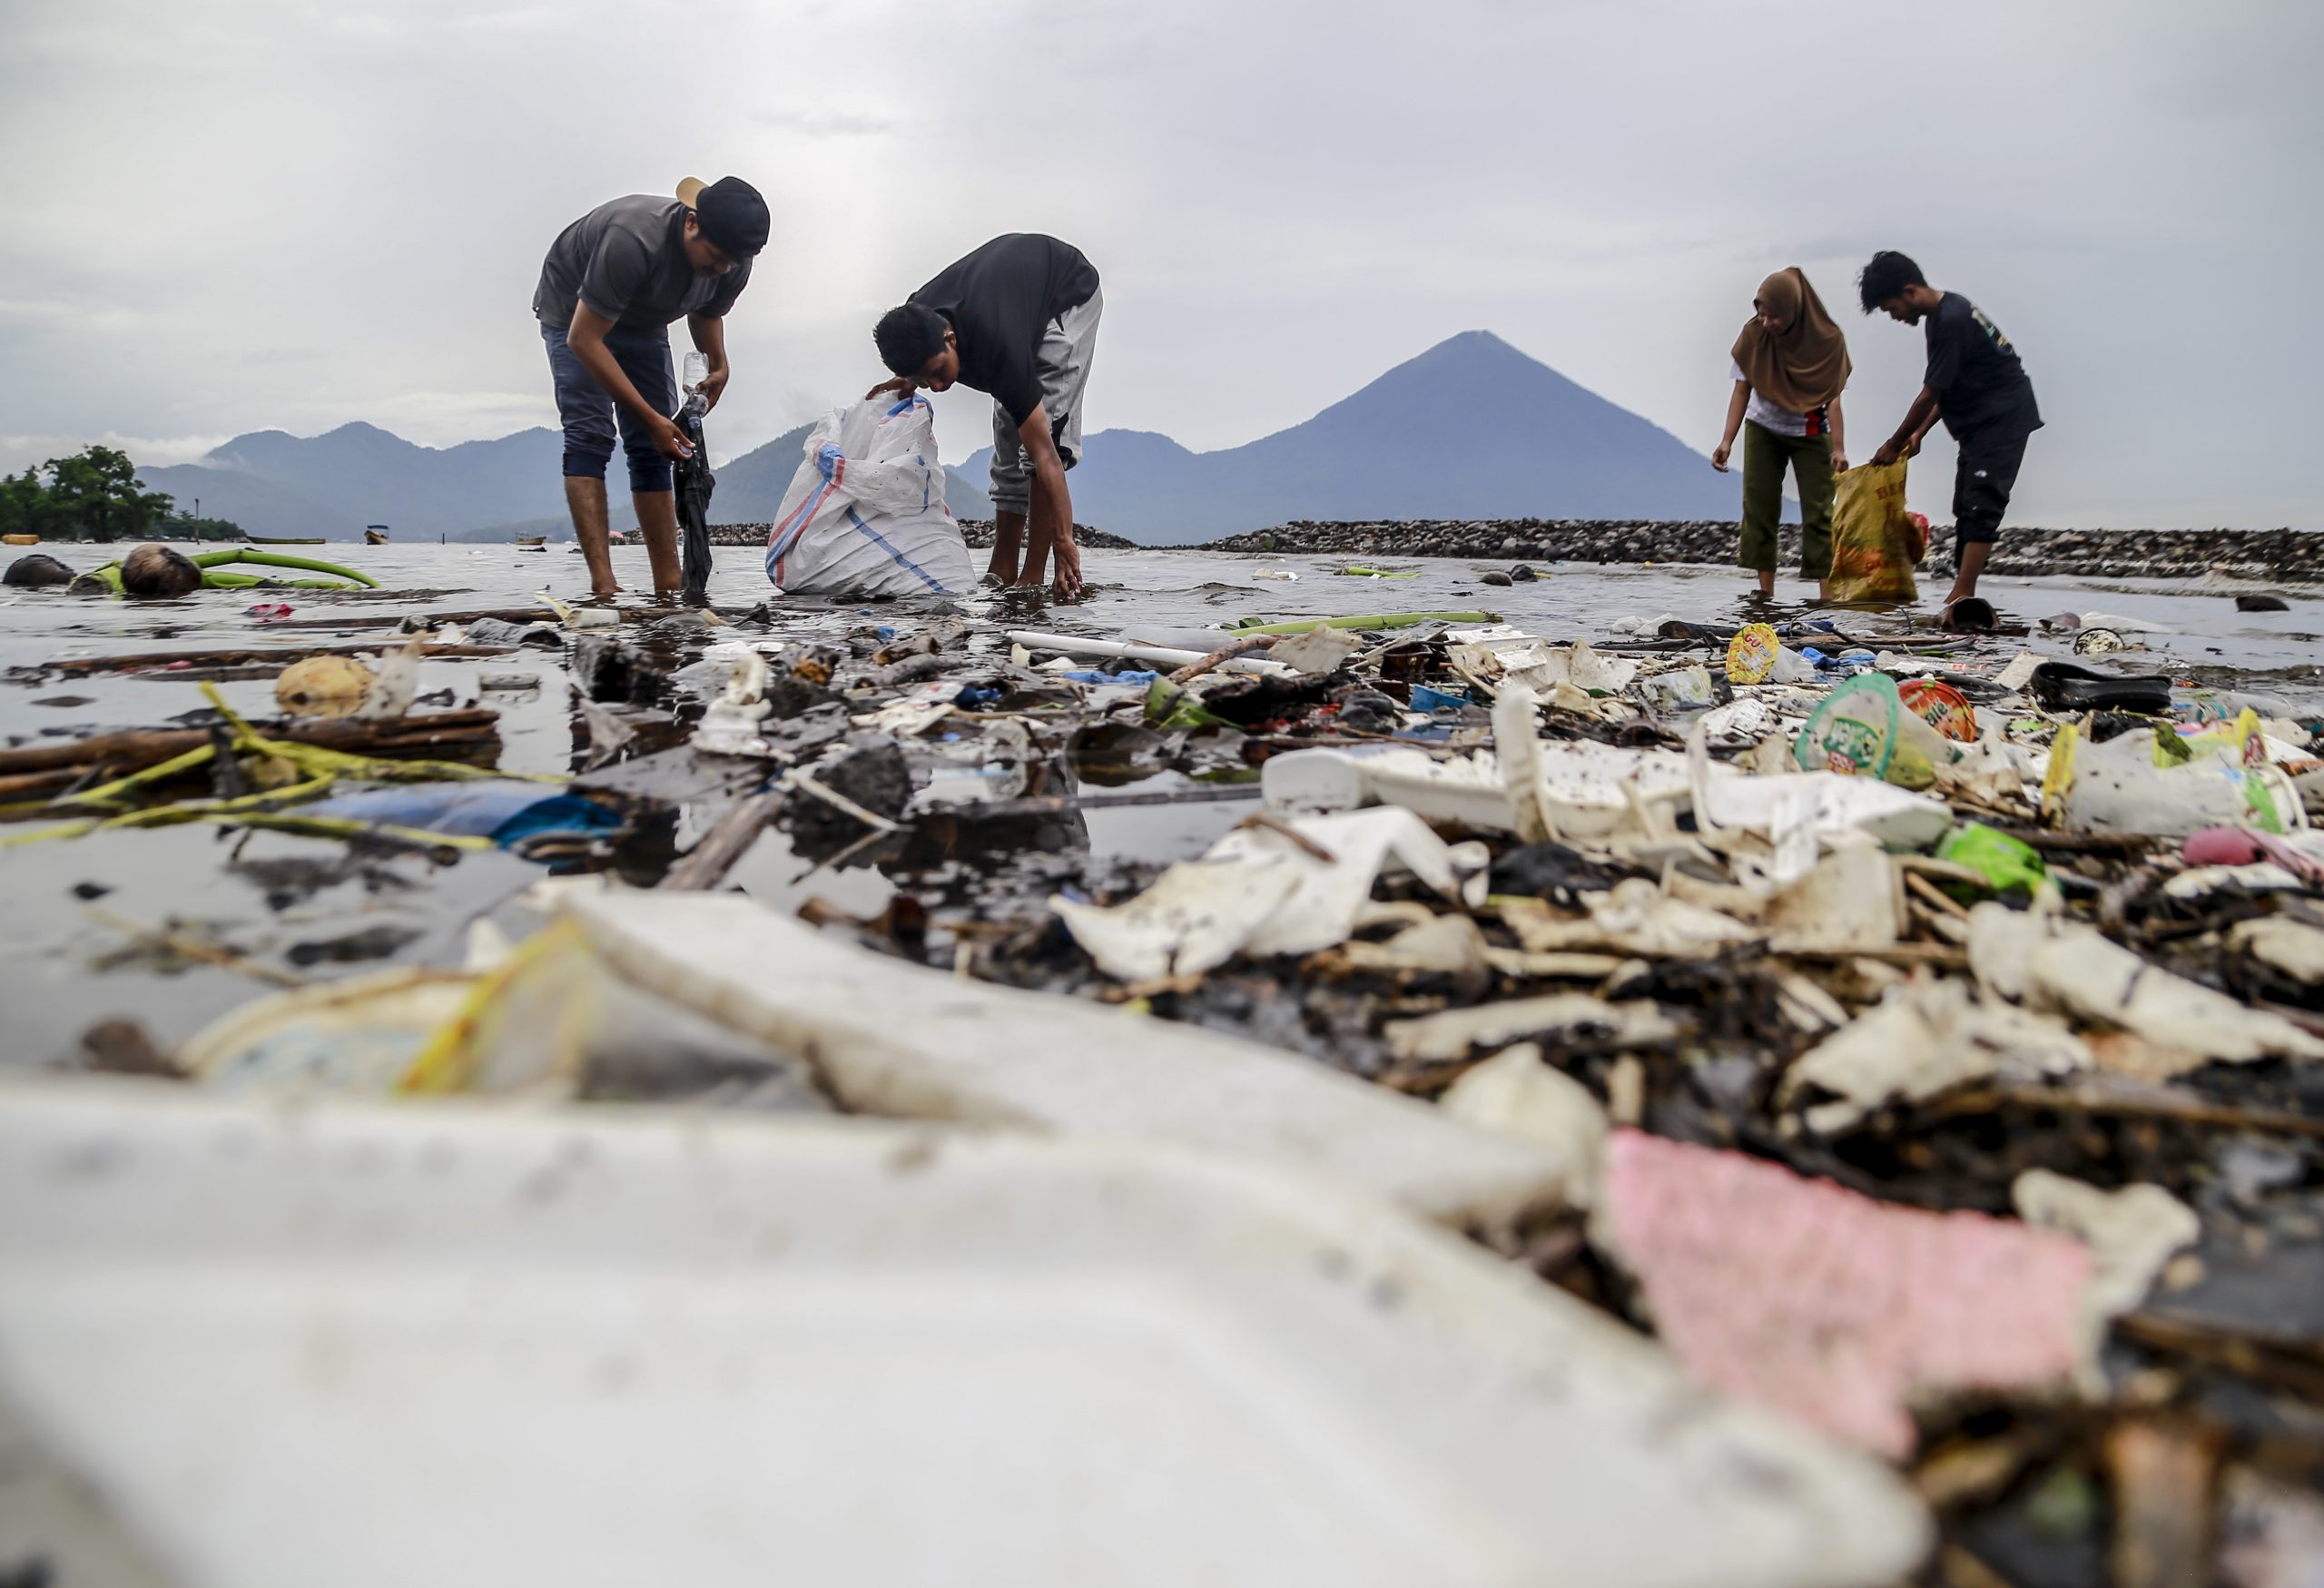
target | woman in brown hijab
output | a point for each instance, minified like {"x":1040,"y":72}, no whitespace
{"x":1790,"y":364}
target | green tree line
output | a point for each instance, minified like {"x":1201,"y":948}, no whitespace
{"x":93,"y":495}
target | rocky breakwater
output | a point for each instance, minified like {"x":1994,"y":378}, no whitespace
{"x":977,"y":532}
{"x":2284,"y":555}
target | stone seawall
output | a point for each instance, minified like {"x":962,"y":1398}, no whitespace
{"x":2285,"y":556}
{"x":977,"y":532}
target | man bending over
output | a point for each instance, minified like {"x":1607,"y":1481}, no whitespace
{"x":1018,"y":321}
{"x":612,"y":284}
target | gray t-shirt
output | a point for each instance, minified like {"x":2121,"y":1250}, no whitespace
{"x":627,"y":260}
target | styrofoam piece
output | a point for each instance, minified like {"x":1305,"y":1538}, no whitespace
{"x":1829,"y":803}
{"x":1453,"y":1032}
{"x":1850,"y":899}
{"x":889,"y":1038}
{"x":1586,"y":790}
{"x":1516,"y":1093}
{"x":1500,"y":650}
{"x":2020,"y":671}
{"x":1517,"y":762}
{"x":1074,"y":644}
{"x":1922,"y":1039}
{"x":372,"y":1346}
{"x":1260,"y":889}
{"x":2076,"y":971}
{"x":1462,"y":791}
{"x":2283,"y":945}
{"x":2132,"y":1232}
{"x":1591,"y":790}
{"x":1633,"y":917}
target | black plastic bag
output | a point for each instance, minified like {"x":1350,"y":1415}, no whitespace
{"x":692,"y":483}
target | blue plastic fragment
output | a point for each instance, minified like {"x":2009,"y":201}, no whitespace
{"x":1427,"y":699}
{"x":504,"y":813}
{"x":1091,"y":676}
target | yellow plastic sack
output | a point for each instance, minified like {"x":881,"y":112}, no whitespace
{"x":1872,"y":554}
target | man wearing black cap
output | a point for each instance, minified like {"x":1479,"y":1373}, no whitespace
{"x":612,"y":284}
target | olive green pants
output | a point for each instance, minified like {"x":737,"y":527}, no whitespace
{"x":1765,"y":453}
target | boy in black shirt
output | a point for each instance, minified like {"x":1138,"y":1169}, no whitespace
{"x":1977,"y":385}
{"x":1017,"y":319}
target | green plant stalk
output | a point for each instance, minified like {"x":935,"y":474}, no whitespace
{"x":314,"y":760}
{"x":1168,"y":706}
{"x":42,"y":834}
{"x":201,"y":810}
{"x":344,"y":827}
{"x":109,"y":794}
{"x":275,"y":559}
{"x":218,"y":581}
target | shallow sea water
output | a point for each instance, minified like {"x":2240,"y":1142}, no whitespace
{"x":65,"y":960}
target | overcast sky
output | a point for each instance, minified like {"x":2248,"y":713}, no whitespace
{"x":237,"y":215}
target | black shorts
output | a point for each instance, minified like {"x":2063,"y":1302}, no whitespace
{"x":1981,"y":482}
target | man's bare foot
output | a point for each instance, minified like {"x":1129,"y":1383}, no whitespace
{"x":601,"y":593}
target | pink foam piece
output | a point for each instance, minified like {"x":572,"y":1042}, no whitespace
{"x":2219,"y":846}
{"x":1802,"y":1296}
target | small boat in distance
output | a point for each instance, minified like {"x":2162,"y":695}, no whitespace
{"x":375,"y":534}
{"x":19,"y":539}
{"x":532,"y":542}
{"x":282,"y":539}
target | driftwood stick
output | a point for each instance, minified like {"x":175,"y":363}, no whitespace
{"x":239,"y":656}
{"x":706,"y":865}
{"x":139,"y":747}
{"x":1250,"y":642}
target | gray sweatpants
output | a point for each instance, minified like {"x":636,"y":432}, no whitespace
{"x":1063,"y":365}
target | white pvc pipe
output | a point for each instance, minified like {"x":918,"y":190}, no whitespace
{"x":1166,"y":656}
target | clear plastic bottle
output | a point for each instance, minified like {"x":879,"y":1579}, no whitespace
{"x":697,"y":370}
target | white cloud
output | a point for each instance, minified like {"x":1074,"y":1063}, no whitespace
{"x":17,"y":452}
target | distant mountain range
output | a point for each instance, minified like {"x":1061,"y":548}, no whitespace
{"x":333,"y":485}
{"x":1472,"y":429}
